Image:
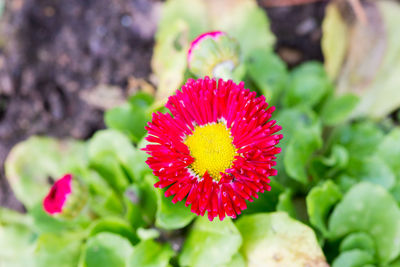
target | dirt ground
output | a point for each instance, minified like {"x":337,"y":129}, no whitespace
{"x":55,"y":53}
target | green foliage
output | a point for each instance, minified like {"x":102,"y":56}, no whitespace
{"x":150,"y":254}
{"x":338,"y":172}
{"x":319,"y":201}
{"x":210,"y":243}
{"x":172,"y":216}
{"x":106,"y":249}
{"x":369,"y":208}
{"x":132,"y":117}
{"x":307,"y":85}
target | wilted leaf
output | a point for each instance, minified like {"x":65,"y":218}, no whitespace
{"x":275,"y":240}
{"x":334,"y":40}
{"x":371,"y":68}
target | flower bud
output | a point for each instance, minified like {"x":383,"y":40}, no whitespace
{"x":214,"y":54}
{"x":66,"y":198}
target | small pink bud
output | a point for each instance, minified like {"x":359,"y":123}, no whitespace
{"x":213,"y":54}
{"x":66,"y":198}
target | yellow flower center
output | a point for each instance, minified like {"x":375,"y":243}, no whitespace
{"x":212,"y":149}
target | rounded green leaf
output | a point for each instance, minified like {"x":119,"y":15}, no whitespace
{"x":113,"y":225}
{"x":360,"y":241}
{"x":106,"y":249}
{"x":149,"y":253}
{"x":210,"y":243}
{"x":172,"y":216}
{"x":268,"y":72}
{"x":58,"y":250}
{"x":353,"y":258}
{"x":319,"y":201}
{"x":338,"y":108}
{"x":307,"y":86}
{"x":371,"y":209}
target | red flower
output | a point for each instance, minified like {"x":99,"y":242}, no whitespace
{"x":59,"y":192}
{"x":216,"y":148}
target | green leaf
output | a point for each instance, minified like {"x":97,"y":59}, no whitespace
{"x":102,"y":199}
{"x":291,"y":121}
{"x":266,"y":201}
{"x":371,"y":209}
{"x":360,"y":241}
{"x":286,"y":204}
{"x":299,"y":151}
{"x":237,"y":261}
{"x":28,"y":173}
{"x":114,"y":157}
{"x":361,"y":139}
{"x":274,"y":239}
{"x":338,"y":108}
{"x":113,"y":225}
{"x":389,"y":151}
{"x":250,"y":26}
{"x":132,"y":117}
{"x":106,"y":249}
{"x":307,"y":86}
{"x":172,"y":216}
{"x":44,"y":223}
{"x":353,"y":258}
{"x":268,"y":72}
{"x":372,"y":169}
{"x":319,"y":202}
{"x":210,"y":243}
{"x":58,"y":250}
{"x":17,"y":239}
{"x":127,"y":119}
{"x":150,"y":254}
{"x":141,"y":202}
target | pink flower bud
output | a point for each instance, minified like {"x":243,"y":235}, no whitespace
{"x":66,"y":198}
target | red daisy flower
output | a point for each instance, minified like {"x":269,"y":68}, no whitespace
{"x":216,"y":148}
